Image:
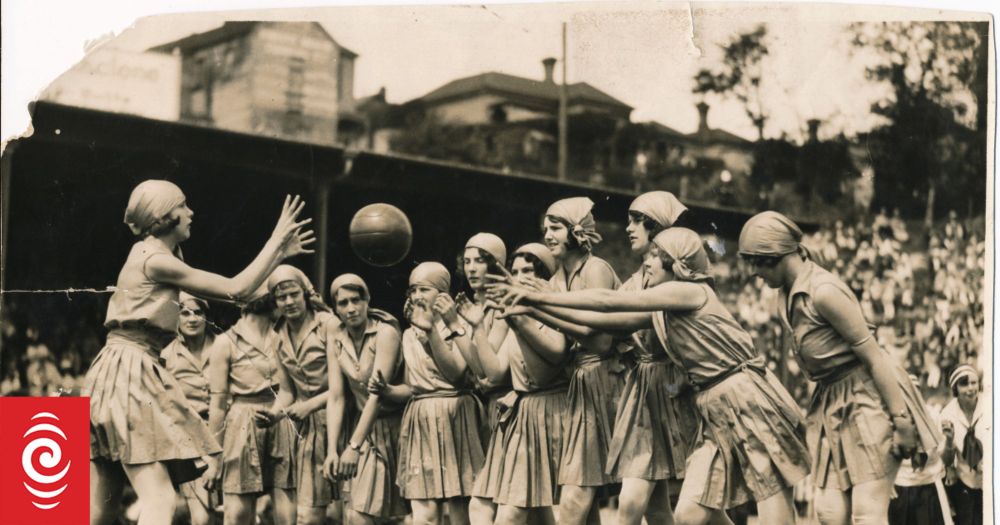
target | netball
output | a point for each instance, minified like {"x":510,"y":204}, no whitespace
{"x":381,"y":234}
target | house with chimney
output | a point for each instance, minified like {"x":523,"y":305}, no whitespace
{"x":512,"y":123}
{"x":280,"y":79}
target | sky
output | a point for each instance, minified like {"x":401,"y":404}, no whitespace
{"x":645,"y":54}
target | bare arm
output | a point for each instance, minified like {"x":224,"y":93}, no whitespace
{"x":543,"y":343}
{"x":386,"y":357}
{"x":218,"y":385}
{"x":451,"y":364}
{"x":286,"y":241}
{"x":618,"y":322}
{"x":674,"y":295}
{"x":495,"y":364}
{"x":334,"y":399}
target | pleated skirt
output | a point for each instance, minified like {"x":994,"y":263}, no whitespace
{"x":312,"y":488}
{"x":591,"y":395}
{"x":532,"y":451}
{"x":487,"y":481}
{"x":255,"y":459}
{"x":849,"y":430}
{"x":138,"y":412}
{"x":373,"y":490}
{"x":656,"y":426}
{"x":440,"y":450}
{"x":752,"y":442}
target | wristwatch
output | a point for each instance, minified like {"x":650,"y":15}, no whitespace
{"x":455,"y":333}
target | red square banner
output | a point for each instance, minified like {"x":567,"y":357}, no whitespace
{"x":45,"y":461}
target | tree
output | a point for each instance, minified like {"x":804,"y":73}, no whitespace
{"x":740,"y":75}
{"x":931,"y":153}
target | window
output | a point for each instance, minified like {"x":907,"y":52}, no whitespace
{"x":198,"y":101}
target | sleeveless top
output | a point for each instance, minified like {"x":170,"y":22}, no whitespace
{"x":141,"y":302}
{"x":305,"y":363}
{"x":189,"y":371}
{"x":820,"y":350}
{"x":357,"y":365}
{"x":707,"y":342}
{"x":523,"y":379}
{"x":252,"y":362}
{"x":577,"y":281}
{"x":422,"y":373}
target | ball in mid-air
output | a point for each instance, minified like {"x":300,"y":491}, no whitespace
{"x":381,"y":234}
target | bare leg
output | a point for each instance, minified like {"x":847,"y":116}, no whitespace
{"x":310,"y":515}
{"x":425,"y":512}
{"x":106,"y":482}
{"x":458,"y":511}
{"x":575,"y":504}
{"x":157,"y":497}
{"x":482,"y":511}
{"x":689,"y":512}
{"x":238,"y":509}
{"x":511,"y":515}
{"x":870,"y":502}
{"x":633,"y":500}
{"x":778,"y":509}
{"x":833,"y":506}
{"x":200,"y":514}
{"x":658,"y":510}
{"x":283,"y":504}
{"x":353,"y":517}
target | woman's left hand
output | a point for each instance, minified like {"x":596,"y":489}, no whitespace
{"x":904,"y":437}
{"x":298,"y":411}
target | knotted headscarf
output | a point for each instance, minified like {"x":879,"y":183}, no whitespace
{"x":684,"y":248}
{"x":661,"y":206}
{"x":770,"y":234}
{"x":972,"y":448}
{"x":490,"y":244}
{"x":285,"y":273}
{"x":432,"y":274}
{"x":151,"y":201}
{"x":576,"y":211}
{"x":541,"y":252}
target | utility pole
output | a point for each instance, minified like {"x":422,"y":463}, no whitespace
{"x":563,"y":124}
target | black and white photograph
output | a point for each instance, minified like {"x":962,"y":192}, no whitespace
{"x":538,"y":263}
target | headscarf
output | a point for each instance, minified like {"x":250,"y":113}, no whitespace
{"x":685,"y":249}
{"x":344,"y":280}
{"x":541,"y":252}
{"x":972,"y":448}
{"x":432,"y":274}
{"x":350,"y":279}
{"x":769,"y":234}
{"x":661,"y":206}
{"x":284,"y":273}
{"x":576,"y":211}
{"x":490,"y":244}
{"x":151,"y":201}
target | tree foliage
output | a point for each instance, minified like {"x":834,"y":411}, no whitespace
{"x":932,"y":146}
{"x":740,"y":75}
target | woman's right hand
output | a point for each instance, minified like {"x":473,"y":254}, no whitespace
{"x":288,"y":231}
{"x":422,"y":317}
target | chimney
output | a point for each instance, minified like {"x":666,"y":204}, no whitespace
{"x":702,"y":117}
{"x":550,"y":66}
{"x":813,"y":129}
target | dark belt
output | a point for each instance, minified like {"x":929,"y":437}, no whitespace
{"x":745,"y":365}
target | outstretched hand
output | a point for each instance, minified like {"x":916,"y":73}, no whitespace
{"x":470,"y":311}
{"x":288,"y":231}
{"x":506,"y":294}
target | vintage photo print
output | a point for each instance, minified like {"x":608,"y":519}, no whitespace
{"x":565,"y":263}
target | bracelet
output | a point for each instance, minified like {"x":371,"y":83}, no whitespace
{"x":354,"y":446}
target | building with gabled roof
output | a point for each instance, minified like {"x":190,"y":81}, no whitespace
{"x":282,"y":79}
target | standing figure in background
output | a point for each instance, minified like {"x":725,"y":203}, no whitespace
{"x":186,"y":358}
{"x":965,"y":431}
{"x":366,"y":346}
{"x":865,"y":414}
{"x":303,"y":335}
{"x":257,"y":460}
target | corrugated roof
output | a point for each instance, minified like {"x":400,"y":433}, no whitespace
{"x":718,"y":135}
{"x":501,"y":82}
{"x":229,"y":31}
{"x":663,"y":129}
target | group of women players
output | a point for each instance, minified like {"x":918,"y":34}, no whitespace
{"x":543,"y":386}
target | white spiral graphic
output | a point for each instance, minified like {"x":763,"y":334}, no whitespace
{"x":49,"y":458}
